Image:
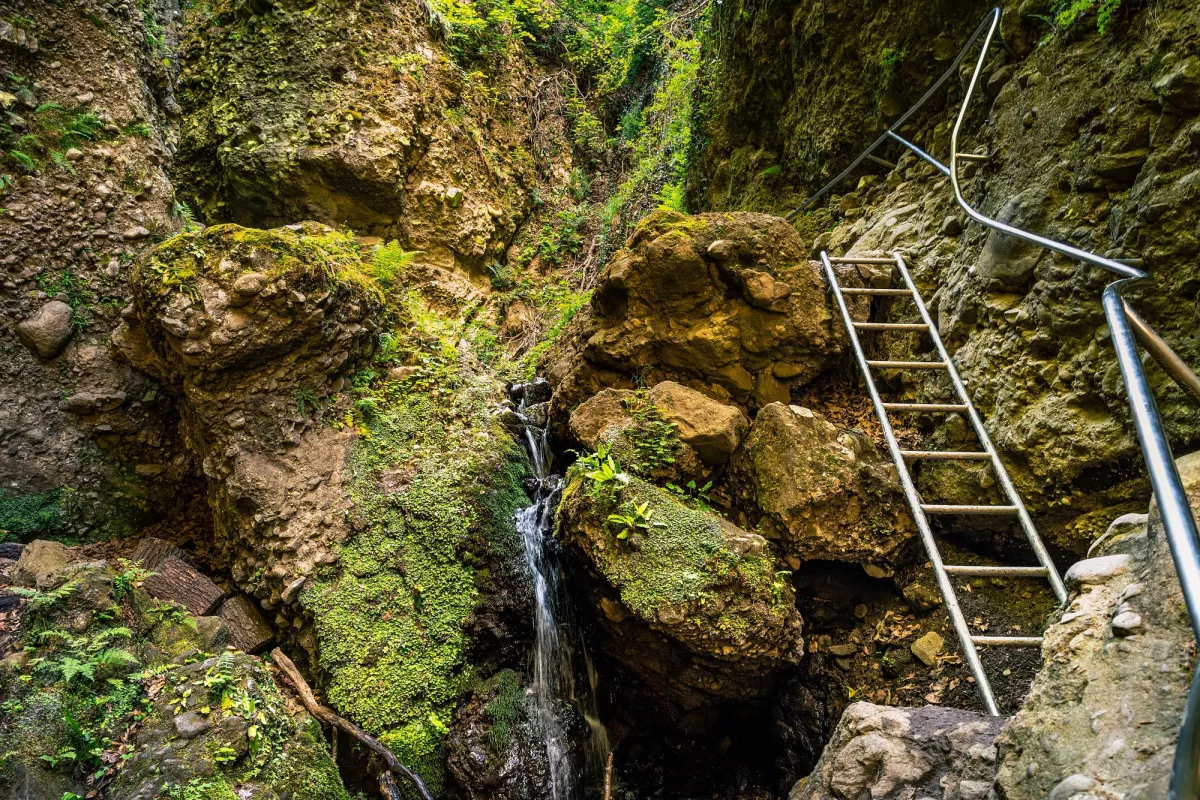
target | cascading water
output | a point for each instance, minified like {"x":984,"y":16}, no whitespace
{"x":554,"y":686}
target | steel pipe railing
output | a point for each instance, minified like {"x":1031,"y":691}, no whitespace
{"x":1127,"y":330}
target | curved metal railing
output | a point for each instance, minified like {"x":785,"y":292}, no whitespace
{"x":1127,"y":329}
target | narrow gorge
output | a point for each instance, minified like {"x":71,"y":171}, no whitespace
{"x":544,"y":399}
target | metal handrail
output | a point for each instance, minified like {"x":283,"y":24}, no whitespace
{"x":1126,"y":329}
{"x":905,"y":117}
{"x":1178,"y":523}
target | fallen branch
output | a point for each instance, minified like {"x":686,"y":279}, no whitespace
{"x":328,"y":716}
{"x":608,"y":777}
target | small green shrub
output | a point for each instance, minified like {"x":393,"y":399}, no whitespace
{"x":390,"y":262}
{"x":637,"y":518}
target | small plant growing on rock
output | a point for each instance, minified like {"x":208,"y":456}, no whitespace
{"x":131,"y":576}
{"x":602,"y":468}
{"x":696,"y":495}
{"x":639,"y":519}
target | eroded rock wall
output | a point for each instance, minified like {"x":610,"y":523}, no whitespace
{"x":86,"y":112}
{"x":1092,"y":141}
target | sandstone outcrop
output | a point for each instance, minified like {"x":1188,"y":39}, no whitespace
{"x":727,"y":304}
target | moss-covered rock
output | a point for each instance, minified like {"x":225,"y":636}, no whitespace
{"x":393,"y":622}
{"x":120,"y":691}
{"x":706,"y":587}
{"x":354,"y":114}
{"x":253,"y":331}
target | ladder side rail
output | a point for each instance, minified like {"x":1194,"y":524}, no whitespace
{"x":914,"y":503}
{"x":1010,"y":491}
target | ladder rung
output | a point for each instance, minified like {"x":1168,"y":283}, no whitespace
{"x":907,"y":364}
{"x":996,"y":572}
{"x":974,"y":157}
{"x":945,"y":455}
{"x":891,"y":326}
{"x":1006,"y":641}
{"x":878,"y":292}
{"x":985,"y":510}
{"x":925,"y":407}
{"x":861,"y":260}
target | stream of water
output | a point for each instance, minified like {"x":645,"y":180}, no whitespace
{"x":554,"y":687}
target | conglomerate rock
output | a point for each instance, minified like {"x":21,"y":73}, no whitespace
{"x":93,"y":94}
{"x":251,"y":330}
{"x":727,"y":304}
{"x":1104,"y":711}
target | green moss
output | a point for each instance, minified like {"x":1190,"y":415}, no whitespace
{"x":22,"y":515}
{"x":322,"y":255}
{"x":681,"y":560}
{"x":438,"y":486}
{"x":504,"y":710}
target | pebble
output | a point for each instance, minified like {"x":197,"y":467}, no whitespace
{"x":1127,"y":623}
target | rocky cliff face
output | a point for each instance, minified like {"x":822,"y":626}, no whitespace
{"x":1091,"y":142}
{"x":86,"y":108}
{"x":274,"y":268}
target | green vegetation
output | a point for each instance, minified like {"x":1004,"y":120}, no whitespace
{"x":437,"y":482}
{"x":45,"y":135}
{"x":1066,"y":13}
{"x":655,"y":441}
{"x":504,"y":710}
{"x":22,"y":515}
{"x":636,"y":518}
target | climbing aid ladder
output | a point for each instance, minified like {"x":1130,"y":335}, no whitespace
{"x":921,"y":511}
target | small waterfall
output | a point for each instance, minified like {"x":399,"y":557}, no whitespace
{"x":554,"y":687}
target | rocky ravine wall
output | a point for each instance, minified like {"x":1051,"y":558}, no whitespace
{"x":82,"y":437}
{"x":1093,"y":141}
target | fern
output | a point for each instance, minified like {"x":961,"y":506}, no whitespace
{"x":390,"y":261}
{"x":41,"y":601}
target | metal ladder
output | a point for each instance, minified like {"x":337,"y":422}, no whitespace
{"x":922,"y":511}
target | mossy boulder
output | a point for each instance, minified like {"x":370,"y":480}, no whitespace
{"x":253,"y":332}
{"x":354,"y":114}
{"x":722,"y":613}
{"x":423,"y":591}
{"x":727,"y":304}
{"x":116,"y":689}
{"x":819,"y":492}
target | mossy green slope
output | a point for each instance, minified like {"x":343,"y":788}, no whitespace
{"x":437,"y":486}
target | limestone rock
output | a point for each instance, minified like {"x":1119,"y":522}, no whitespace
{"x":820,"y":492}
{"x":39,"y":560}
{"x":928,"y":647}
{"x":1114,"y":700}
{"x":712,"y":429}
{"x":668,"y":308}
{"x":47,"y":331}
{"x":888,"y":753}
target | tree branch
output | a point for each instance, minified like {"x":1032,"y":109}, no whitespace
{"x":327,"y":715}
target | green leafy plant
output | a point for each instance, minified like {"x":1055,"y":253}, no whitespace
{"x":602,"y":469}
{"x":638,"y":518}
{"x":39,"y":601}
{"x":390,"y":262}
{"x":697,"y":495}
{"x":131,"y":576}
{"x":1065,"y":14}
{"x":655,"y":439}
{"x":306,"y":402}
